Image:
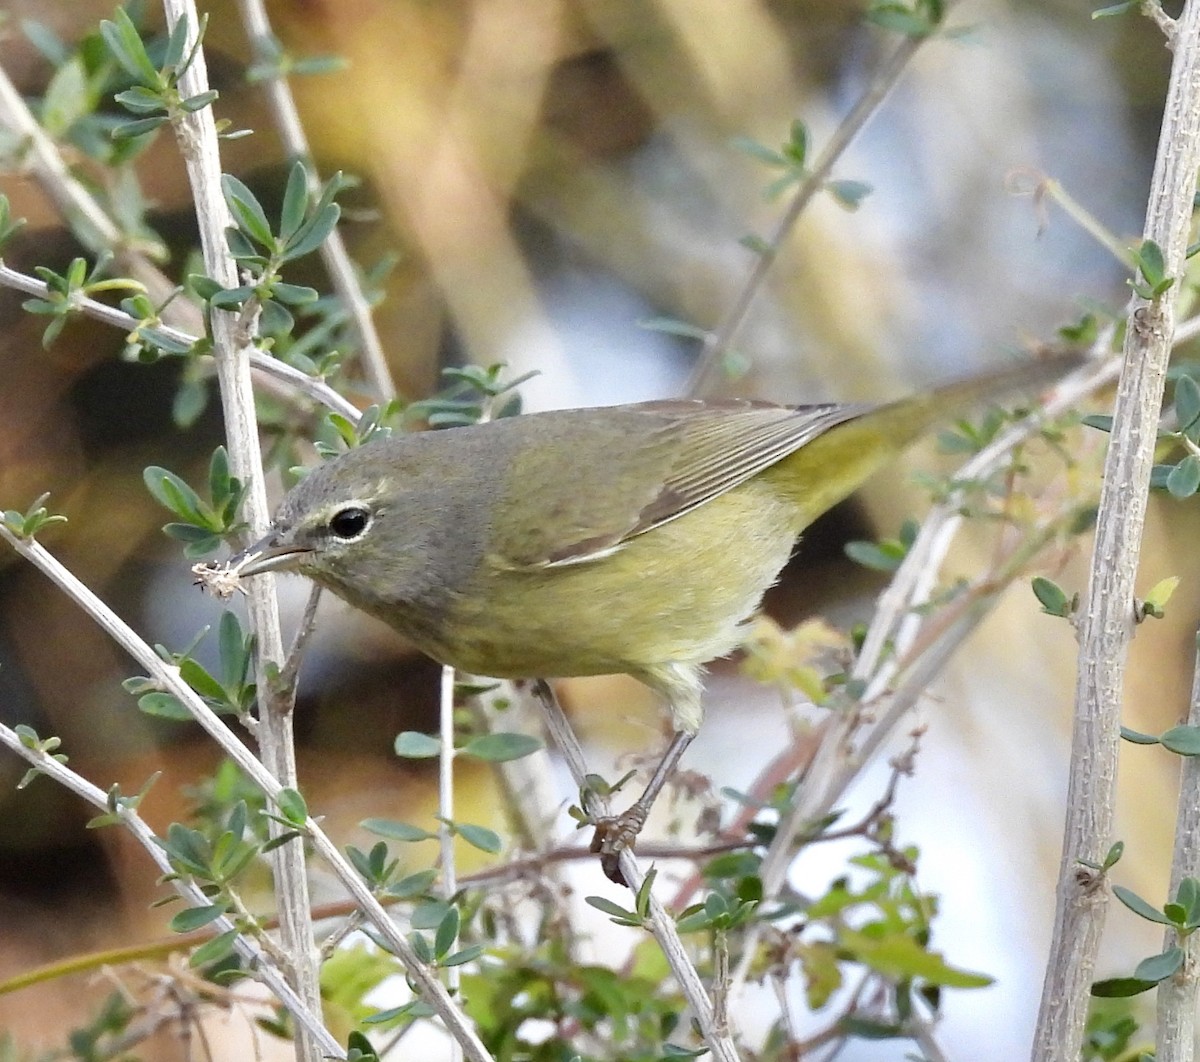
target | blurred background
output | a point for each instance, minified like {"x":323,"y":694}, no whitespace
{"x":546,"y":176}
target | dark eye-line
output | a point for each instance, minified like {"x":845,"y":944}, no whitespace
{"x":350,"y":522}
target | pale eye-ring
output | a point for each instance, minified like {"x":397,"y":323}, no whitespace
{"x":350,"y":522}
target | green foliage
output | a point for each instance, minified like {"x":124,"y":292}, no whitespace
{"x":500,"y":747}
{"x":232,"y":691}
{"x":1053,"y":598}
{"x":633,"y":1013}
{"x":791,"y":158}
{"x":1180,"y":478}
{"x":1109,"y":1034}
{"x":118,"y":803}
{"x":636,"y":917}
{"x":916,"y":18}
{"x":471,"y":394}
{"x":8,"y":224}
{"x":63,"y":290}
{"x":1182,"y":914}
{"x":27,"y":524}
{"x":43,"y":746}
{"x":261,"y":250}
{"x":154,"y":95}
{"x":887,"y":554}
{"x":149,"y":340}
{"x":1117,"y":9}
{"x":100,"y":1038}
{"x":1151,"y":268}
{"x":1155,"y":602}
{"x":346,"y":435}
{"x":968,"y":437}
{"x":275,"y":62}
{"x":202,"y":525}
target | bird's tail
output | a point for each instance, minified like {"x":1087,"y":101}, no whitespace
{"x":832,"y":466}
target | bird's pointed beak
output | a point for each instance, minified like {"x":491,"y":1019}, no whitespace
{"x":268,"y":554}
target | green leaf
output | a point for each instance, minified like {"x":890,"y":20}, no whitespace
{"x":413,"y":745}
{"x":672,"y":326}
{"x":246,"y":210}
{"x":140,"y":100}
{"x":295,"y":202}
{"x":199,"y":101}
{"x":197,"y":917}
{"x":849,"y":194}
{"x":215,"y":950}
{"x":499,"y":748}
{"x":67,"y":98}
{"x":125,"y":44}
{"x":1121,"y":987}
{"x":164,"y":706}
{"x":1053,"y":598}
{"x":613,"y":909}
{"x":879,"y":556}
{"x":1152,"y":269}
{"x":173,"y":493}
{"x":1183,"y":740}
{"x":428,"y":914}
{"x":397,"y":831}
{"x":447,"y":933}
{"x":232,"y":298}
{"x":764,"y":154}
{"x":899,"y":955}
{"x":1184,"y":479}
{"x":233,"y":651}
{"x":1110,"y":12}
{"x":479,"y":837}
{"x":1187,"y":404}
{"x":275,"y":320}
{"x":1189,"y":897}
{"x":1135,"y":737}
{"x":292,"y":806}
{"x":200,"y":680}
{"x":129,"y":130}
{"x":412,"y":885}
{"x":1139,"y":906}
{"x":314,"y":232}
{"x":1100,"y":421}
{"x":1159,"y":967}
{"x":176,"y":42}
{"x":294,"y":294}
{"x":1155,"y":601}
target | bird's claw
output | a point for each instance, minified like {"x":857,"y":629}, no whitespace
{"x":614,"y":834}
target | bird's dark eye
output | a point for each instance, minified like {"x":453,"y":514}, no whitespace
{"x":350,"y":523}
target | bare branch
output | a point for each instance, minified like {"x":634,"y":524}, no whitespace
{"x":1107,"y":617}
{"x":333,"y":250}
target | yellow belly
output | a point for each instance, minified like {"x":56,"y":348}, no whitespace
{"x":672,"y":595}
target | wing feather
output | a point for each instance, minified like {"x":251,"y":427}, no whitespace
{"x":641,"y":466}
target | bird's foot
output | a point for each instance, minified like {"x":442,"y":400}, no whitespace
{"x":614,"y":834}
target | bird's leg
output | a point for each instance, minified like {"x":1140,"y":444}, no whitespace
{"x":616,"y":833}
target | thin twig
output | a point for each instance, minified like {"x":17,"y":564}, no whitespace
{"x":718,"y":342}
{"x":294,"y":381}
{"x":845,"y":744}
{"x":95,"y":229}
{"x":290,"y":672}
{"x":661,"y":924}
{"x":250,"y":949}
{"x":1107,"y":616}
{"x":446,"y":755}
{"x":337,"y":259}
{"x":233,"y":340}
{"x":168,"y":679}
